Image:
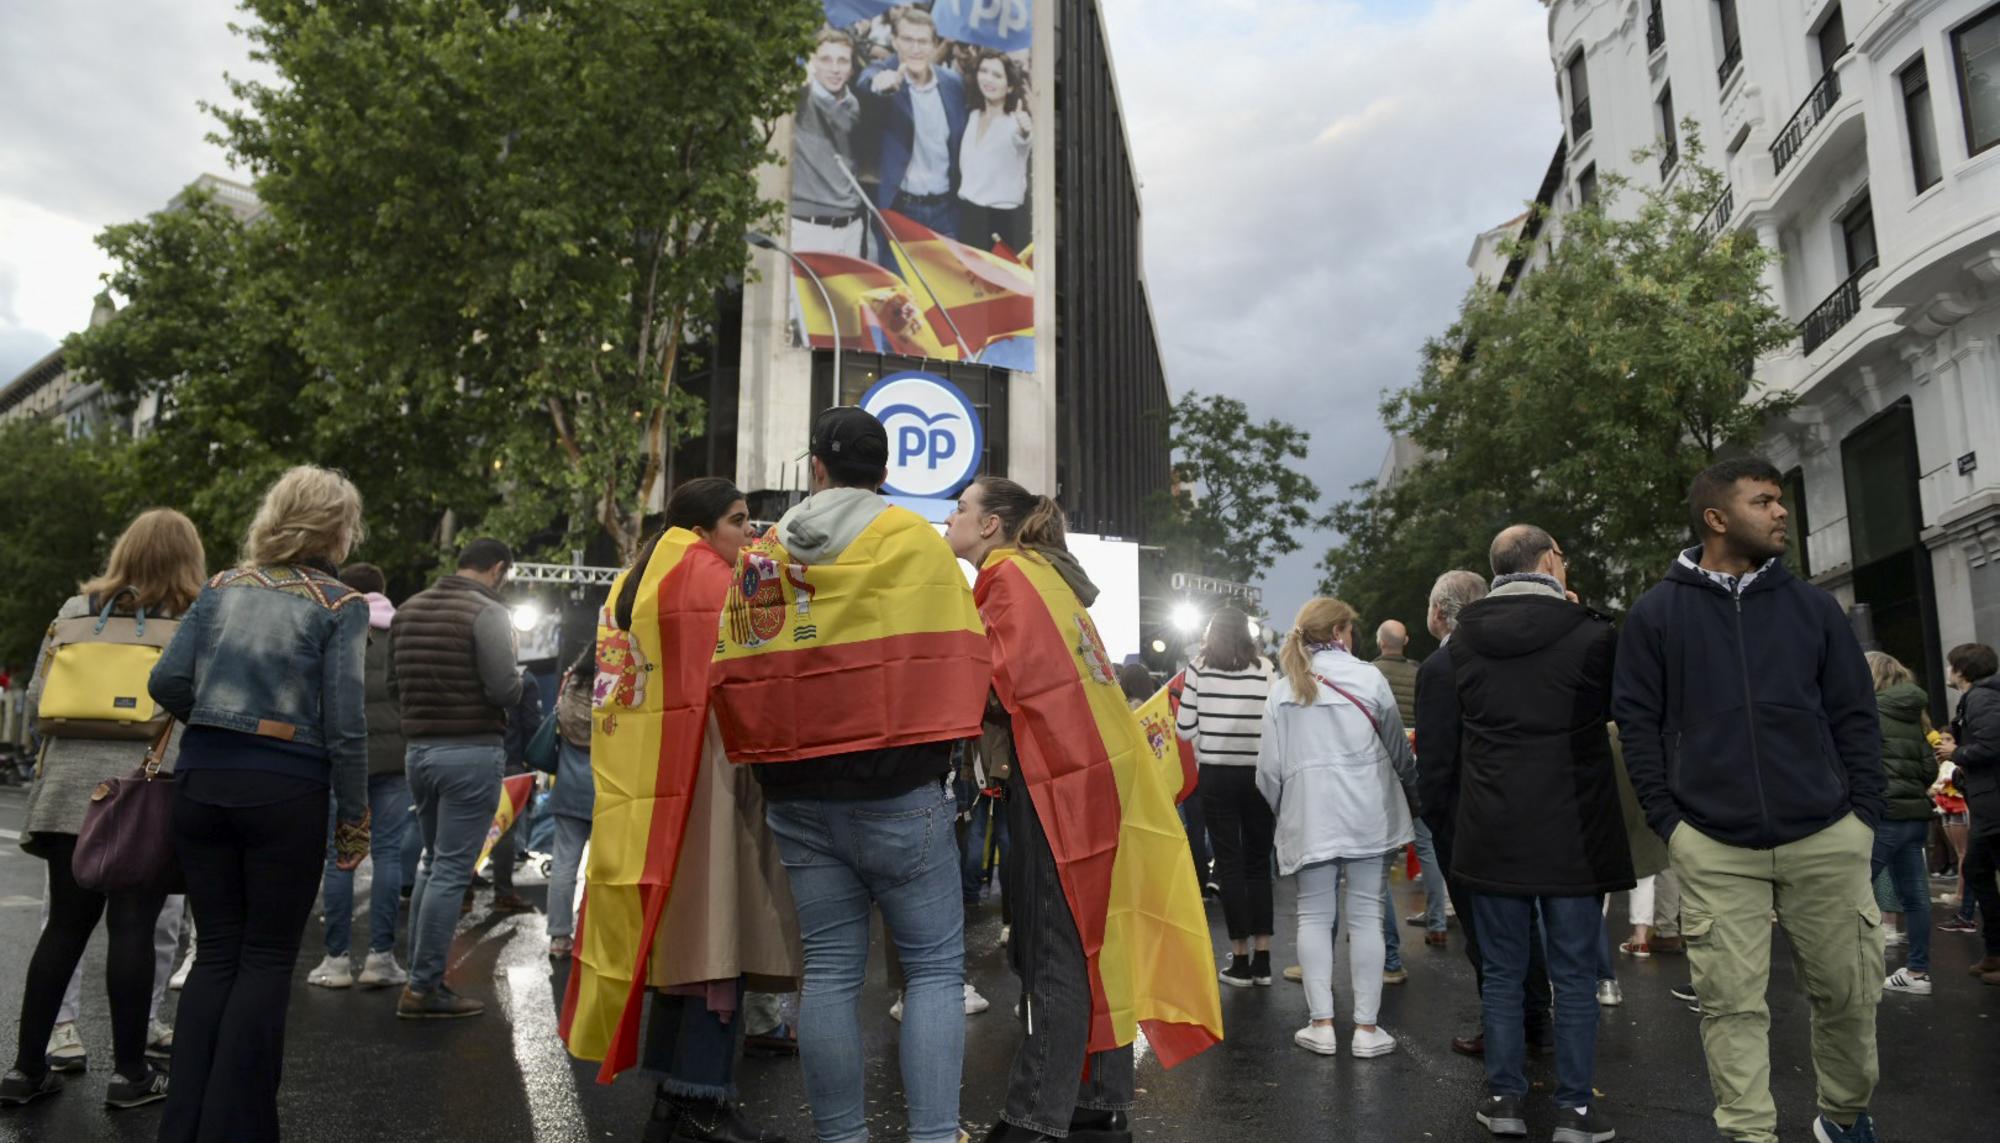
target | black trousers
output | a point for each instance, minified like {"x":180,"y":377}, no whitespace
{"x":1982,"y":862}
{"x":128,"y":971}
{"x":252,"y":875}
{"x":1539,"y":998}
{"x":1240,"y":828}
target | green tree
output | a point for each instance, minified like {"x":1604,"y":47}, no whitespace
{"x":514,"y":217}
{"x":66,"y":501}
{"x":1584,"y":401}
{"x":1238,"y":502}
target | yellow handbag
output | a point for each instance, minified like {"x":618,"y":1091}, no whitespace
{"x":95,"y":676}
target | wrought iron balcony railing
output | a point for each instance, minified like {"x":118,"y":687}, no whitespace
{"x":1670,"y":157}
{"x":1579,"y":119}
{"x":1732,"y":58}
{"x":1804,"y":121}
{"x":1656,"y":29}
{"x":1836,"y":311}
{"x":1717,"y":218}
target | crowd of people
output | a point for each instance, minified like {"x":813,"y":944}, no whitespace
{"x":743,"y":794}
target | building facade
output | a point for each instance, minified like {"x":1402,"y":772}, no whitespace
{"x":1860,"y":139}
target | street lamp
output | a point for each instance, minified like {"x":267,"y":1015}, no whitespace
{"x":766,"y":242}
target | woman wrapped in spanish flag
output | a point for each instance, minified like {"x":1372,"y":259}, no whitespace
{"x":685,"y":897}
{"x":1109,"y":932}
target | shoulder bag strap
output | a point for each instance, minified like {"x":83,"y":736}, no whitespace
{"x":1343,"y":692}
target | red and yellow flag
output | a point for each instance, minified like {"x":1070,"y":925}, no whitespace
{"x":881,"y":647}
{"x":875,"y":311}
{"x":989,"y":297}
{"x":1104,"y":792}
{"x":650,"y":707}
{"x":514,"y":794}
{"x":1156,"y":721}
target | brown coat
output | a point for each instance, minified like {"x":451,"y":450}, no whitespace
{"x":730,"y":913}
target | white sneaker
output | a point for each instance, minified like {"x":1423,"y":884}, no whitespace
{"x":382,"y":971}
{"x":160,"y":1040}
{"x":1895,"y":937}
{"x":180,"y":977}
{"x":333,"y":972}
{"x":1903,"y":980}
{"x":896,"y":1009}
{"x":1319,"y":1039}
{"x":974,"y":1003}
{"x":1006,"y":933}
{"x":1368,"y":1044}
{"x":1609,"y":994}
{"x":66,"y":1052}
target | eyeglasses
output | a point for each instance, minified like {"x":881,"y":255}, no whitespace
{"x":1560,"y":558}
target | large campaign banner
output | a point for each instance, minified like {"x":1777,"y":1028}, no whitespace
{"x":910,"y":201}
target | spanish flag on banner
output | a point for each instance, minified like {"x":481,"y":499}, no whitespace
{"x":990,"y":297}
{"x":1104,"y":793}
{"x":649,"y":711}
{"x":881,"y":647}
{"x":876,"y":311}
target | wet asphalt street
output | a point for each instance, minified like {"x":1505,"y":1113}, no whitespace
{"x":353,"y":1072}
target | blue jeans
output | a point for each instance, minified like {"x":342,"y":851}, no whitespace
{"x":413,"y":845}
{"x":692,"y":1049}
{"x":1573,"y":929}
{"x":1433,"y":875}
{"x":899,"y":853}
{"x":985,"y":817}
{"x":1392,"y":940}
{"x":1899,"y":846}
{"x":388,"y":809}
{"x":570,"y":836}
{"x":457,"y":788}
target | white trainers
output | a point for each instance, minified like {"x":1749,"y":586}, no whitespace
{"x":1905,"y":981}
{"x":180,"y":977}
{"x":1368,"y":1045}
{"x":66,"y":1052}
{"x":333,"y":972}
{"x":159,"y":1040}
{"x":1319,"y":1039}
{"x":1609,"y":994}
{"x":896,"y":1009}
{"x":382,"y":971}
{"x":1006,"y":933}
{"x":974,"y":1003}
{"x":1895,"y":937}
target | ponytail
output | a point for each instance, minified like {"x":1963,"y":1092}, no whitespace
{"x":1027,"y":520}
{"x":1319,"y":621}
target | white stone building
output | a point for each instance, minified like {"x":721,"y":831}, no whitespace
{"x":1861,"y":140}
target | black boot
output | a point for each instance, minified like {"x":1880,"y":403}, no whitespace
{"x":682,"y":1119}
{"x":1005,"y":1132}
{"x":1088,"y":1126}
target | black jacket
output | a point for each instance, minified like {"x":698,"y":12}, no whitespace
{"x":1436,"y":742}
{"x":1537,"y":811}
{"x":1976,"y":727}
{"x":1749,"y":716}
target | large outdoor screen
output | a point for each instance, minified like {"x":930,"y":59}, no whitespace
{"x":910,"y":202}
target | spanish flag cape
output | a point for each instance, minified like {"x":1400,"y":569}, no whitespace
{"x":880,"y":647}
{"x":649,"y":711}
{"x":1105,"y":797}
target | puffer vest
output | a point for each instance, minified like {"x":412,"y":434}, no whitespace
{"x":437,"y":665}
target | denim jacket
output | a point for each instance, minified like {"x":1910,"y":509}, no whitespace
{"x":278,"y":652}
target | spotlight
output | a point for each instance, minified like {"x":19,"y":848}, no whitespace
{"x":1159,"y":646}
{"x":1187,"y":618}
{"x":1256,"y":629}
{"x":527,"y":617}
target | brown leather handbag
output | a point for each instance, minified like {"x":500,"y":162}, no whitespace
{"x":126,"y":844}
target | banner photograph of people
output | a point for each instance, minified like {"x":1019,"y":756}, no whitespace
{"x":909,"y":201}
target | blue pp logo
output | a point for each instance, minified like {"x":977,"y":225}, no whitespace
{"x":935,"y":438}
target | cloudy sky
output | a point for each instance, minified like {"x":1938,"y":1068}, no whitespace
{"x":1315,"y":172}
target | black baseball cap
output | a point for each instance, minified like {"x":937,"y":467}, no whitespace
{"x":850,"y":436}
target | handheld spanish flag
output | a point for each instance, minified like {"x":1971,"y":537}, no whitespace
{"x":650,"y":708}
{"x":1190,"y":773}
{"x":881,"y":647}
{"x":514,"y":795}
{"x":1104,"y":792}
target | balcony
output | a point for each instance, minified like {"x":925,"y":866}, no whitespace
{"x":1656,"y":28}
{"x":1732,"y":58}
{"x":1670,"y":157}
{"x":1804,"y":122}
{"x":1579,"y":119}
{"x":1836,"y":311}
{"x":1717,"y":219}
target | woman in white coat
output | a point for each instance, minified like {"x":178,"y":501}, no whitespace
{"x":1335,"y":764}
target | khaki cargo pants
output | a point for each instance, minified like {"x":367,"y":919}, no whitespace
{"x":1820,"y":889}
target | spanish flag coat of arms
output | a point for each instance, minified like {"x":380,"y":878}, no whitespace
{"x":1104,"y":793}
{"x":879,"y":647}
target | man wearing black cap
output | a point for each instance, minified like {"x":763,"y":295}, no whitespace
{"x":851,"y":659}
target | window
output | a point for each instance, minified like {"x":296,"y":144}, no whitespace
{"x":1857,"y":237}
{"x":1586,"y":186}
{"x":1832,"y":37}
{"x":1732,"y":42}
{"x":1656,"y":28}
{"x":1579,"y":96}
{"x":1795,"y":506}
{"x":1917,"y":119}
{"x":1670,"y":151}
{"x":1975,"y":50}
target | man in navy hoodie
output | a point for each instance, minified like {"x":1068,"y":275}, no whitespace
{"x":1750,"y":731}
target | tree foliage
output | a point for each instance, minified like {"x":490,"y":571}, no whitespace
{"x":514,"y":216}
{"x":1238,"y":501}
{"x":66,"y":500}
{"x":1584,"y":401}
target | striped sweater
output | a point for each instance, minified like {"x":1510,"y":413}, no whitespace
{"x":1222,"y":713}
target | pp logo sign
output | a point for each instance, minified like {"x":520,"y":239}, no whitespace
{"x":935,"y":438}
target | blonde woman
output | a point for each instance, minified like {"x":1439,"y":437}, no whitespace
{"x":267,"y":674}
{"x":1909,"y":767}
{"x":1335,"y":765}
{"x":156,"y":567}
